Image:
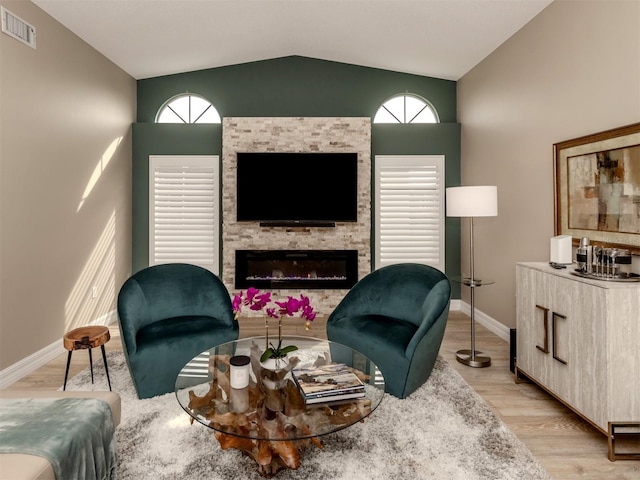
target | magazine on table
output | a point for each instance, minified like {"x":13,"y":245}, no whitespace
{"x":327,"y":382}
{"x":340,"y":397}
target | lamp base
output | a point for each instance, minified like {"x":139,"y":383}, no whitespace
{"x":466,"y":357}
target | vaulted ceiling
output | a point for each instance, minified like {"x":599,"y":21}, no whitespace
{"x":437,"y":38}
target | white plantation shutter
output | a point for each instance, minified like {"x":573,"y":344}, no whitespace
{"x":409,"y":209}
{"x":184,"y":201}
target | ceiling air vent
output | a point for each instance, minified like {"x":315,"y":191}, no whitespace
{"x":18,"y":28}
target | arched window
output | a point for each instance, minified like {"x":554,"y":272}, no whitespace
{"x":187,"y":108}
{"x":406,"y":108}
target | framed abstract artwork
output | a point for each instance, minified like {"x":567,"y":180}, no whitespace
{"x":597,"y":188}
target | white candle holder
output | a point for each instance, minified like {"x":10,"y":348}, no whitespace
{"x":240,"y":365}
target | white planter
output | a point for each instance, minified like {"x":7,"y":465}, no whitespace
{"x":275,"y":364}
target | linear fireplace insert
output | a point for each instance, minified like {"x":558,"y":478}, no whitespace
{"x":305,"y":269}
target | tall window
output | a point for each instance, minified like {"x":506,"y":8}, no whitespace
{"x":406,"y":108}
{"x":187,"y":108}
{"x":409,"y":209}
{"x":184,"y":202}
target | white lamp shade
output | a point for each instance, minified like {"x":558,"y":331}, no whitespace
{"x":476,"y":201}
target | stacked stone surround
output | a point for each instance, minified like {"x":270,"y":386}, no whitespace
{"x":299,"y":134}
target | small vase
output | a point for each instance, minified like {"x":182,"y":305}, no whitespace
{"x":275,"y":364}
{"x":274,"y":373}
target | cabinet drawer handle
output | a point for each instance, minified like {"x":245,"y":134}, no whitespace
{"x":555,"y":335}
{"x":545,"y":319}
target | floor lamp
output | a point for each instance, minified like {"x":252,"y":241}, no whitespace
{"x":472,"y":202}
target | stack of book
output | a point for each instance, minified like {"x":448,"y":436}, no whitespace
{"x":328,"y":383}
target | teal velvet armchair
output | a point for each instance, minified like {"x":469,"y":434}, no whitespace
{"x":396,"y":316}
{"x":168,"y":314}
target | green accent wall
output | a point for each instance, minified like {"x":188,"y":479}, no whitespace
{"x":292,"y":87}
{"x":432,"y":139}
{"x":295,"y":87}
{"x":161,"y":139}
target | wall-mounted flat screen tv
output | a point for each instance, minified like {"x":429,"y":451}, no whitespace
{"x":297,"y":187}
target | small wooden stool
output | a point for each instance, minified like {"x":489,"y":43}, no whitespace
{"x":86,"y":338}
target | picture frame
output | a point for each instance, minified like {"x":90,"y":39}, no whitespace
{"x":597,"y":188}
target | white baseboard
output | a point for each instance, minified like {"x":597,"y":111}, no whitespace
{"x":454,"y":305}
{"x":483,"y":319}
{"x":34,"y":361}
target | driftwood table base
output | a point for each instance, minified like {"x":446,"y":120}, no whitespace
{"x":271,"y":456}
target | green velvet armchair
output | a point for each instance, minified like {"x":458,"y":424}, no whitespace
{"x":395,"y":316}
{"x":168,"y":314}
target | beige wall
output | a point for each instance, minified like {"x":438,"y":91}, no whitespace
{"x":65,"y":185}
{"x":572,"y":71}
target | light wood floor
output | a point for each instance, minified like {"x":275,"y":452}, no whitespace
{"x":568,"y":447}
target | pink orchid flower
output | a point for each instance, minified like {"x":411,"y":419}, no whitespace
{"x":258,"y":301}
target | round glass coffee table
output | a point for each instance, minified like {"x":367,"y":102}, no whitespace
{"x":269,"y":418}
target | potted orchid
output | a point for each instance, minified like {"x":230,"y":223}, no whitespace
{"x":257,"y":301}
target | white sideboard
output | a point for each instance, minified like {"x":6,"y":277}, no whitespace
{"x":579,"y":339}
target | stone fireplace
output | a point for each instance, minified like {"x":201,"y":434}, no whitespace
{"x":297,"y":134}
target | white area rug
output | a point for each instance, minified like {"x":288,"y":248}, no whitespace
{"x":443,"y":431}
